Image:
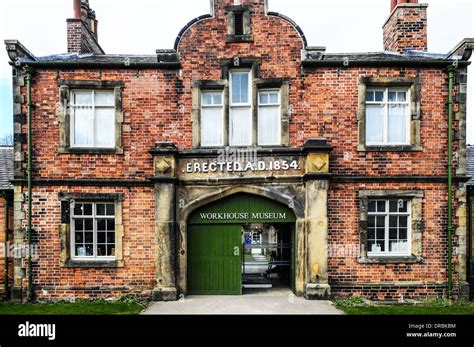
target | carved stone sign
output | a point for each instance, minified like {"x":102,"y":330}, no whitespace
{"x":260,"y":167}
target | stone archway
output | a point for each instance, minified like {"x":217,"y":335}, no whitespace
{"x":291,"y":199}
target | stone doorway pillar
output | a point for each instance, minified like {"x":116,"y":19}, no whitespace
{"x":165,"y":221}
{"x":317,"y":185}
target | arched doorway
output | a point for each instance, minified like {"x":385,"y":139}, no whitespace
{"x":241,"y":241}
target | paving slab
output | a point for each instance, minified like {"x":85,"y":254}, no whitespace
{"x":268,"y":303}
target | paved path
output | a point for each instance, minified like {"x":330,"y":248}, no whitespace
{"x":280,"y":303}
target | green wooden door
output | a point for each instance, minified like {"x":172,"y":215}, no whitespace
{"x":214,"y":259}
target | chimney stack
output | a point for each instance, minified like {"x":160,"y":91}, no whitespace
{"x":406,"y":28}
{"x":82,"y":35}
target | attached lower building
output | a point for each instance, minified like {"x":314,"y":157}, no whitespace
{"x":241,"y":159}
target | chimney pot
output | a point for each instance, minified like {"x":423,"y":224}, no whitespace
{"x":77,"y":9}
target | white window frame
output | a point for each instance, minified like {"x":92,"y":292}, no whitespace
{"x":386,"y":104}
{"x":94,"y":218}
{"x":213,"y":106}
{"x":260,"y":105}
{"x":387,"y":215}
{"x":233,"y":106}
{"x":93,"y":107}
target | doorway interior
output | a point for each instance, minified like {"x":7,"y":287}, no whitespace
{"x":267,"y":257}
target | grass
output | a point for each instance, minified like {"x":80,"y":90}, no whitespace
{"x":358,"y":306}
{"x":125,"y":306}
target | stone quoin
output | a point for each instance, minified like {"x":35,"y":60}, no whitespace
{"x":341,"y":187}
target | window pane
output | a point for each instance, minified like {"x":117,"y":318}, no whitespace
{"x":88,"y":224}
{"x":212,"y":133}
{"x":380,"y":222}
{"x":217,"y":98}
{"x":89,"y":250}
{"x":100,"y":209}
{"x":87,"y":209}
{"x":369,"y":96}
{"x":207,"y":98}
{"x":274,"y":97}
{"x":79,"y":238}
{"x":264,"y":98}
{"x":393,"y":234}
{"x":240,"y":88}
{"x":110,"y":224}
{"x":393,"y":205}
{"x":110,"y":209}
{"x":402,"y":96}
{"x":89,"y":237}
{"x":392,"y":96}
{"x":101,"y":224}
{"x":379,"y":96}
{"x":397,"y":126}
{"x":380,"y":206}
{"x":100,"y":237}
{"x":393,"y":222}
{"x":403,"y":234}
{"x":371,"y":234}
{"x":83,"y":127}
{"x":82,"y":98}
{"x":240,"y":126}
{"x":110,"y":250}
{"x":104,"y":98}
{"x":111,"y":238}
{"x":105,"y":127}
{"x":374,"y":123}
{"x":372,"y":206}
{"x":101,"y":250}
{"x":371,"y":222}
{"x":78,"y":209}
{"x":403,"y":206}
{"x":403,"y":221}
{"x":268,"y":125}
{"x":79,"y":224}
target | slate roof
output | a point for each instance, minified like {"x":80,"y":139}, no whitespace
{"x":470,"y":164}
{"x":376,"y":58}
{"x":161,"y":59}
{"x":6,"y":167}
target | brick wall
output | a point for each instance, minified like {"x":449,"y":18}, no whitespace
{"x":407,"y":28}
{"x":349,"y":276}
{"x":139,"y":248}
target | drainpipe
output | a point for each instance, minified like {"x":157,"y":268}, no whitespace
{"x":7,"y":222}
{"x":30,"y":290}
{"x":451,"y":70}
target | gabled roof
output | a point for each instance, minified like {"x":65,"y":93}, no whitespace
{"x":470,"y":164}
{"x":6,"y":167}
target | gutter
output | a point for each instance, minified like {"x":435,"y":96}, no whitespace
{"x":30,"y":291}
{"x":98,"y":65}
{"x":451,"y":69}
{"x":381,"y":63}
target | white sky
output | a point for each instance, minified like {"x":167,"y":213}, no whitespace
{"x":141,"y":26}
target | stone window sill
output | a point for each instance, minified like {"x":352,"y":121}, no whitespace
{"x":91,"y":151}
{"x":407,"y":148}
{"x":391,"y":260}
{"x":239,"y":38}
{"x":92,"y":264}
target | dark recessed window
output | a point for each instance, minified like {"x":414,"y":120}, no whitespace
{"x":239,"y":24}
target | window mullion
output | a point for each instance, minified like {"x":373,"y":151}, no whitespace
{"x":93,"y":120}
{"x":385,"y":125}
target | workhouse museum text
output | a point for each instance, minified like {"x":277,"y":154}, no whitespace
{"x":242,"y":158}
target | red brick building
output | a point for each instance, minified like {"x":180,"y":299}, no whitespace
{"x":242,"y":158}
